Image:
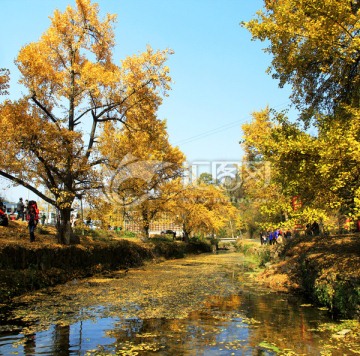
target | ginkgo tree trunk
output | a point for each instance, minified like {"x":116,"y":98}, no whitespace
{"x":50,"y":135}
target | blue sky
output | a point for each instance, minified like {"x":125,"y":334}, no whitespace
{"x":218,"y":72}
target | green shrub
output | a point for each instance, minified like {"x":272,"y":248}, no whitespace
{"x":198,"y":245}
{"x":214,"y":241}
{"x":101,"y":235}
{"x":243,"y":248}
{"x":342,"y":297}
{"x":264,"y":255}
{"x":346,"y":298}
{"x":128,"y":233}
{"x":165,"y":247}
{"x":163,"y":238}
{"x":196,"y":238}
{"x":324,"y":293}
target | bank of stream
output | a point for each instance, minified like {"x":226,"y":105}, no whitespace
{"x":200,"y":305}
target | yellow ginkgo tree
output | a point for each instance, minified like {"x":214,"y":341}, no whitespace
{"x":202,"y":209}
{"x":141,"y":165}
{"x":264,"y":202}
{"x":315,"y":48}
{"x":321,"y":171}
{"x":74,"y":87}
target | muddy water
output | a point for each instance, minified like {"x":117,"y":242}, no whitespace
{"x":204,"y":305}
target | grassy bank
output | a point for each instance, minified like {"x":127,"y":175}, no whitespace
{"x":325,"y":269}
{"x":26,"y":266}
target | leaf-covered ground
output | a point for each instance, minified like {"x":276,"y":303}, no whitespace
{"x":17,"y":234}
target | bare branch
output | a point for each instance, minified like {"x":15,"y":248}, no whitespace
{"x":43,"y":108}
{"x":92,"y":135}
{"x":28,"y":186}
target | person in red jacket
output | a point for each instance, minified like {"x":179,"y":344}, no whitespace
{"x":32,"y":222}
{"x":4,"y":221}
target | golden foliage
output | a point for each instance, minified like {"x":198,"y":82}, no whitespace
{"x":74,"y":89}
{"x":321,"y":170}
{"x":202,"y":209}
{"x":141,"y":165}
{"x":315,"y":48}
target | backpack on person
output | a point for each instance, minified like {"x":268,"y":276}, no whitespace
{"x":32,"y":203}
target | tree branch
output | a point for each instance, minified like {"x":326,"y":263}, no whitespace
{"x":92,"y":135}
{"x":43,"y":108}
{"x":28,"y":186}
{"x":48,"y":168}
{"x":114,"y":105}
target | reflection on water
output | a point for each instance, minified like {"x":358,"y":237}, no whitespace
{"x":235,"y":325}
{"x":247,"y":323}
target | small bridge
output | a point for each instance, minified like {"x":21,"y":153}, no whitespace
{"x":228,"y":239}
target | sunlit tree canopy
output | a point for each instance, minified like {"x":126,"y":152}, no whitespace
{"x":315,"y":47}
{"x":73,"y":88}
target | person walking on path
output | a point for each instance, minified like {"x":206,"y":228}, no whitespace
{"x":20,"y":208}
{"x":32,"y":222}
{"x":43,"y":219}
{"x":315,"y":228}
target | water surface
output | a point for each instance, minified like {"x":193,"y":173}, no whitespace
{"x":203,"y":305}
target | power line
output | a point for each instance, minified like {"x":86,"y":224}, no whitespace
{"x":219,"y":129}
{"x":209,"y":133}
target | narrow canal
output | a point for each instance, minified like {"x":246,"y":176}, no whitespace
{"x":203,"y":305}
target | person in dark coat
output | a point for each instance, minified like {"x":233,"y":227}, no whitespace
{"x":20,"y":208}
{"x":315,"y":228}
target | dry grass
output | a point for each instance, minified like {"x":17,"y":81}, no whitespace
{"x":334,"y":256}
{"x":17,"y":233}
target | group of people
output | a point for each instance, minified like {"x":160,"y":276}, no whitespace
{"x":273,"y":237}
{"x":276,"y":236}
{"x":28,"y":211}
